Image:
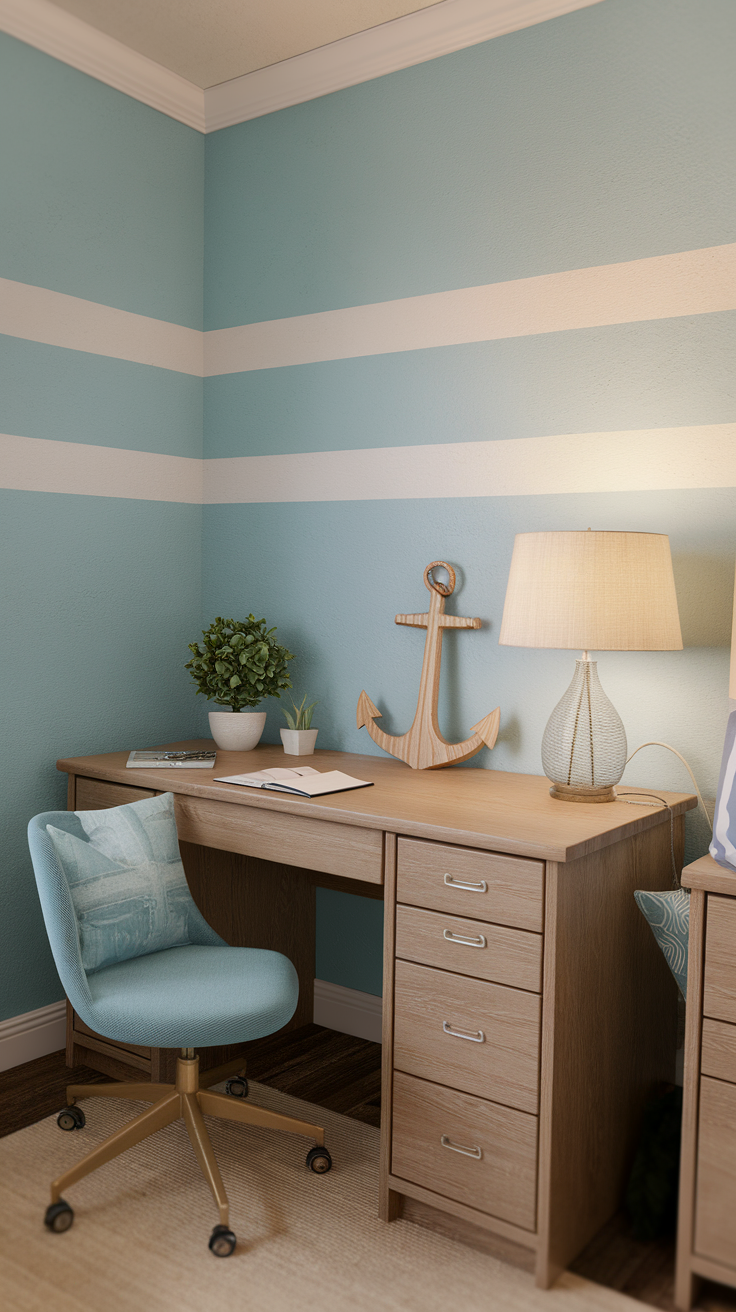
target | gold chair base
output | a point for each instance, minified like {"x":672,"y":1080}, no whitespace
{"x":187,"y":1100}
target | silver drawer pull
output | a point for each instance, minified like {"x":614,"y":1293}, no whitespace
{"x":477,"y":1153}
{"x":475,"y":1036}
{"x":481,"y":887}
{"x":468,"y":940}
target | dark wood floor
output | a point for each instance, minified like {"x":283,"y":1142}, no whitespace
{"x":330,"y":1069}
{"x":344,"y":1074}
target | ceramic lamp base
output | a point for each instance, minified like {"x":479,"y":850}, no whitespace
{"x":584,"y":742}
{"x":579,"y":793}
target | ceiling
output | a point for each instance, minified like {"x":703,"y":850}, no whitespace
{"x":212,"y":41}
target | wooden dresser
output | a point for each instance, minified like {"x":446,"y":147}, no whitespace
{"x":706,"y":1240}
{"x":527,"y":1011}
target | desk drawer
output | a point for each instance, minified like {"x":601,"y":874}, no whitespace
{"x":98,"y":794}
{"x":715,"y":1226}
{"x":433,"y":1009}
{"x":507,"y":890}
{"x":295,"y":840}
{"x":430,"y":1123}
{"x":719,"y":998}
{"x":470,"y":947}
{"x":719,"y":1050}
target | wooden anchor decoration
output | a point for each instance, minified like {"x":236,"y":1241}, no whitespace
{"x":423,"y":747}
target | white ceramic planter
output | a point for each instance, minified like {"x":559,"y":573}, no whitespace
{"x":237,"y":731}
{"x":299,"y":742}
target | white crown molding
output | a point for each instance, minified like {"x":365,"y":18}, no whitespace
{"x":414,"y":39}
{"x":34,"y":1034}
{"x":57,"y":33}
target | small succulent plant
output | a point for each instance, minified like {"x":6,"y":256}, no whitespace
{"x":302,"y":717}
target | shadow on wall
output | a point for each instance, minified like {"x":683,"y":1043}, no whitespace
{"x":704,"y":586}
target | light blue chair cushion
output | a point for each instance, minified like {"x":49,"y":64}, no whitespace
{"x":723,"y":846}
{"x":195,"y":997}
{"x":200,"y":994}
{"x":126,"y":881}
{"x":668,"y":915}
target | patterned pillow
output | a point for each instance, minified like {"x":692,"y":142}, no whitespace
{"x":668,"y":916}
{"x":127,"y":883}
{"x":723,"y":847}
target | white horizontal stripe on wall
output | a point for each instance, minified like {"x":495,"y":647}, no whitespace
{"x":642,"y":460}
{"x":661,"y":287}
{"x":35,"y":464}
{"x":40,"y":315}
{"x":636,"y":461}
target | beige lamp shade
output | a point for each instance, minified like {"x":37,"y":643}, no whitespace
{"x":592,"y":591}
{"x":732,"y":679}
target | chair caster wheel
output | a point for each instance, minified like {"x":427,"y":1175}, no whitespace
{"x":59,"y":1217}
{"x":222,"y":1241}
{"x":72,"y":1118}
{"x":237,"y":1087}
{"x":319,"y":1161}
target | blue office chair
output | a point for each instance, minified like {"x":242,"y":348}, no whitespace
{"x":112,"y":891}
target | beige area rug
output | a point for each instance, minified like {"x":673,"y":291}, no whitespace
{"x":139,"y":1239}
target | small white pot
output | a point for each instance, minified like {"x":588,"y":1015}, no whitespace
{"x":237,"y":731}
{"x":299,"y":742}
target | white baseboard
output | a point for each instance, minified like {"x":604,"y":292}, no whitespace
{"x":34,"y":1034}
{"x":347,"y":1010}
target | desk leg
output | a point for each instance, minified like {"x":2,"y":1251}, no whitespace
{"x":258,"y":904}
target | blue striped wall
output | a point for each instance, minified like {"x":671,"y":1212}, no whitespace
{"x":605,"y":135}
{"x":101,"y":199}
{"x":589,"y":141}
{"x":600,"y":137}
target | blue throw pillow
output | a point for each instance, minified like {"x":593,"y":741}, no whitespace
{"x":668,"y":916}
{"x":723,"y":846}
{"x":127,"y":882}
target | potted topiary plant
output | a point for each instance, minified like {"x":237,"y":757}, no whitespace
{"x":299,"y":738}
{"x":238,"y":664}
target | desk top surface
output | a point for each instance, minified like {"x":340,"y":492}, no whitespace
{"x":708,"y":875}
{"x":489,"y":809}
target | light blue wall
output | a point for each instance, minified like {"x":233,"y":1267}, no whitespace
{"x":600,"y":136}
{"x":101,"y":196}
{"x":102,"y":199}
{"x":603,"y":136}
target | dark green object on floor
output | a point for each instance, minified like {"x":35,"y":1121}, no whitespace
{"x":651,"y":1194}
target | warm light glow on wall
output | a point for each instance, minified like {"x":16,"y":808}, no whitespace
{"x":732,"y":680}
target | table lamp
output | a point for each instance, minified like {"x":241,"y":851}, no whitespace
{"x":597,"y":592}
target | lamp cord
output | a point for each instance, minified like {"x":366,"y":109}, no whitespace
{"x":652,"y":800}
{"x":680,"y":757}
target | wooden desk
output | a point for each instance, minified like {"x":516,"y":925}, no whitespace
{"x":527,"y":1011}
{"x":706,"y":1235}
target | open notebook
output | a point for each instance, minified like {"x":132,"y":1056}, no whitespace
{"x":303,"y":781}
